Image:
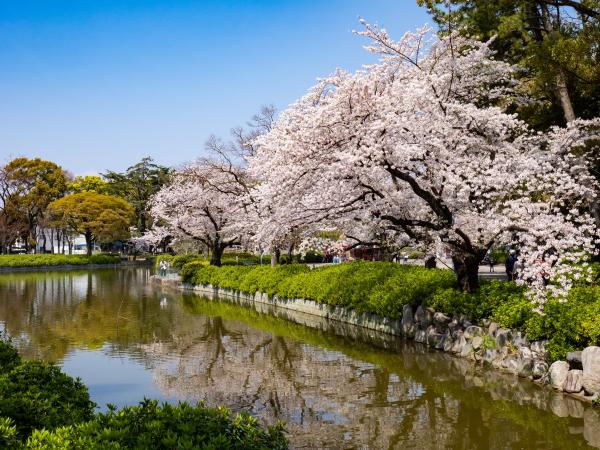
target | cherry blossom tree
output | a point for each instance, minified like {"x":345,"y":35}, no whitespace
{"x":210,"y":201}
{"x":420,"y":143}
{"x":199,"y":203}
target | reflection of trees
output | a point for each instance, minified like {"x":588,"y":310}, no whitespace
{"x":333,"y":391}
{"x":327,"y":393}
{"x":56,"y":311}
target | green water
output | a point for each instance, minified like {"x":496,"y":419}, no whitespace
{"x":335,"y":387}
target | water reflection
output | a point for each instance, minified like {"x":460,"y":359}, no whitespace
{"x":127,"y":340}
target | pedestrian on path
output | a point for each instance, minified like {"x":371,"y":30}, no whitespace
{"x":511,"y":260}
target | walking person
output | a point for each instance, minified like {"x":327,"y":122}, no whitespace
{"x":510,"y":265}
{"x":492,"y":263}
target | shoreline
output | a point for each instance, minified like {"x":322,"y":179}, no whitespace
{"x":510,"y":353}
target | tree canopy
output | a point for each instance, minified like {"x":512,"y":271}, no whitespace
{"x":29,"y":185}
{"x":101,"y":218}
{"x":89,"y":183}
{"x":420,"y":145}
{"x":137,"y":185}
{"x":553,"y":42}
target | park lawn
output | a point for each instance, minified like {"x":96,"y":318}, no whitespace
{"x":384,"y":288}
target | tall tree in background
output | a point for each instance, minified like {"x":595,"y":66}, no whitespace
{"x":137,"y":185}
{"x":32,"y":184}
{"x":100,"y":218}
{"x":555,"y":42}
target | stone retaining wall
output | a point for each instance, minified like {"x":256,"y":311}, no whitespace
{"x":485,"y":343}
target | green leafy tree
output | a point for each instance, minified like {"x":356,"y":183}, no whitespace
{"x":32,"y":184}
{"x":89,"y":183}
{"x":555,"y":42}
{"x":100,"y":218}
{"x":137,"y":185}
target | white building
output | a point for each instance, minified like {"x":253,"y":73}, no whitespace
{"x":49,"y":240}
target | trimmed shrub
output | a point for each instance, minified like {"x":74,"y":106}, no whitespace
{"x":312,"y":257}
{"x":381,"y":288}
{"x":228,"y":259}
{"x":41,"y":260}
{"x":177,"y":262}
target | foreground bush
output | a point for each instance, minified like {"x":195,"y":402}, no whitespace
{"x":384,"y":288}
{"x":41,"y":260}
{"x":35,"y":394}
{"x":163,"y":427}
{"x":9,"y":356}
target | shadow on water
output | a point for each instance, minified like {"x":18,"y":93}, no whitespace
{"x":335,"y":385}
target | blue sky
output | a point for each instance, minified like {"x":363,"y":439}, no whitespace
{"x":97,"y":85}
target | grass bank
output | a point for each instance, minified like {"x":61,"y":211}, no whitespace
{"x":51,"y":260}
{"x":43,"y":408}
{"x":384,"y":288}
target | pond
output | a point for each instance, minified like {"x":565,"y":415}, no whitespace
{"x":335,"y":386}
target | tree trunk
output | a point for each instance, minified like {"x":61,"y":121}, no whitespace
{"x":466,"y":268}
{"x":562,"y":91}
{"x":560,"y":80}
{"x":290,"y":254}
{"x":89,"y":243}
{"x":142,"y":223}
{"x":217,"y":253}
{"x":275,"y":255}
{"x":430,"y":262}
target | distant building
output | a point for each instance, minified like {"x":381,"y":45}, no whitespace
{"x":49,"y":240}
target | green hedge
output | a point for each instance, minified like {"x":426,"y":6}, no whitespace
{"x":228,"y":259}
{"x":384,"y":288}
{"x":41,"y":260}
{"x":43,"y":408}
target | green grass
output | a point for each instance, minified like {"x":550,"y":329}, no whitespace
{"x":42,"y":260}
{"x":384,"y":288}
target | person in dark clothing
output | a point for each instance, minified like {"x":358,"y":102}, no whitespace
{"x":510,"y":263}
